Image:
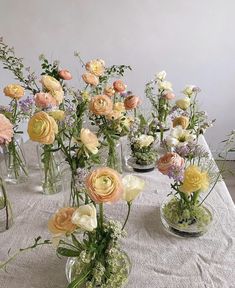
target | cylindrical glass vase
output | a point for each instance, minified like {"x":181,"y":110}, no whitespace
{"x":16,"y":166}
{"x":6,"y":217}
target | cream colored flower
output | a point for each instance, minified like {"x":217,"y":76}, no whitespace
{"x":85,"y":217}
{"x":132,"y":187}
{"x":114,"y":115}
{"x":101,"y":105}
{"x":164,"y":85}
{"x":145,"y":140}
{"x":179,"y":137}
{"x":58,"y":95}
{"x":57,"y":115}
{"x":89,"y":140}
{"x":183,"y":103}
{"x":189,"y":90}
{"x":109,"y":91}
{"x":119,"y":106}
{"x":161,"y":75}
{"x":96,"y":67}
{"x":50,"y":83}
{"x":182,"y":121}
{"x":90,"y":79}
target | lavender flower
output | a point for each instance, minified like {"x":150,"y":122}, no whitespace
{"x":26,"y":106}
{"x":176,"y":173}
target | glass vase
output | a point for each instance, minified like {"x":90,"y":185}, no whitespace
{"x":186,"y":222}
{"x":115,"y":274}
{"x":6,"y":217}
{"x":111,"y":156}
{"x":51,"y":175}
{"x":16,"y":166}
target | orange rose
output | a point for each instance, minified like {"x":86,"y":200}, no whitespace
{"x":119,"y":86}
{"x":166,"y":162}
{"x":61,"y":222}
{"x":109,"y":91}
{"x":90,"y":79}
{"x":104,"y":185}
{"x":131,"y":102}
{"x":14,"y":91}
{"x":101,"y":105}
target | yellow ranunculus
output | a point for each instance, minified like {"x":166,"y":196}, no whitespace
{"x":89,"y":140}
{"x":50,"y":83}
{"x":42,"y":128}
{"x":14,"y":91}
{"x":57,"y":115}
{"x":183,"y":103}
{"x":96,"y":67}
{"x":194,"y":180}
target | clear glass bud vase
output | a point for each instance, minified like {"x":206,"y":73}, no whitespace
{"x":111,"y":156}
{"x":6,"y":217}
{"x":16,"y":166}
{"x":51,"y":175}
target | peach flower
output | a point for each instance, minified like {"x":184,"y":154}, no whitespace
{"x":101,"y":105}
{"x":119,"y":86}
{"x":109,"y":91}
{"x":131,"y":102}
{"x":181,"y":121}
{"x":61,"y":222}
{"x":6,"y":130}
{"x":104,"y":185}
{"x":14,"y":91}
{"x":96,"y":67}
{"x":168,"y":95}
{"x":170,"y":159}
{"x":65,"y":74}
{"x":89,"y":140}
{"x":58,"y":95}
{"x":90,"y":79}
{"x":50,"y":83}
{"x":44,"y":100}
{"x":119,"y":106}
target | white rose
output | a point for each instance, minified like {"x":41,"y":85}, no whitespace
{"x":132,"y":187}
{"x":85,"y":217}
{"x":161,"y":75}
{"x":165,"y":85}
{"x":145,"y":140}
{"x":188,"y":90}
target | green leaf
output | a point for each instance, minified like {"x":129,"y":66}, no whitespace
{"x":76,"y":242}
{"x":67,"y":252}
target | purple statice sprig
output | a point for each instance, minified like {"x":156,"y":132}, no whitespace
{"x":26,"y":107}
{"x":176,"y":173}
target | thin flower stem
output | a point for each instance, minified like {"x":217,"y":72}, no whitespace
{"x":128,"y":214}
{"x":210,"y":189}
{"x":101,"y":207}
{"x":5,"y":202}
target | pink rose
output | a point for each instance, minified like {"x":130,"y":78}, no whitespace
{"x":65,"y":74}
{"x":119,"y":86}
{"x":168,"y":95}
{"x":44,"y":100}
{"x":6,"y":130}
{"x":131,"y":102}
{"x":170,"y":159}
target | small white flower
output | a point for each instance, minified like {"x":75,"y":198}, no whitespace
{"x":85,"y":217}
{"x":133,"y":185}
{"x":165,"y":85}
{"x":189,"y":90}
{"x":179,"y":137}
{"x":145,"y":140}
{"x":161,"y":75}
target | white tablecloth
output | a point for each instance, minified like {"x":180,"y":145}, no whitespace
{"x":159,"y":259}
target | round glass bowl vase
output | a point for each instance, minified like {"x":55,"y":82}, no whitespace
{"x":187,"y":223}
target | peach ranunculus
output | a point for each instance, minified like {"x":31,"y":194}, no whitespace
{"x":194,"y":180}
{"x":65,"y":74}
{"x":61,"y":221}
{"x":119,"y":86}
{"x":42,"y":128}
{"x":168,"y":95}
{"x":167,"y":161}
{"x":96,"y":67}
{"x":6,"y":130}
{"x":50,"y":83}
{"x":181,"y":121}
{"x":109,"y":91}
{"x":44,"y":100}
{"x":131,"y":102}
{"x":101,"y":105}
{"x":90,"y":79}
{"x":89,"y":140}
{"x":14,"y":91}
{"x":104,"y":185}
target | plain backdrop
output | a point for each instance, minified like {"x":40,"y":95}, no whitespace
{"x":193,"y":40}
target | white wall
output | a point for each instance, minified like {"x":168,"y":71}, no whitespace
{"x":192,"y":40}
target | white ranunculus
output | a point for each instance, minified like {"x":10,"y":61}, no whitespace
{"x":85,"y":217}
{"x":165,"y":85}
{"x":161,"y":75}
{"x":189,"y":90}
{"x":145,"y":140}
{"x":133,"y":185}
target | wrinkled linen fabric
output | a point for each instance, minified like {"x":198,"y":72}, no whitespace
{"x":159,"y":259}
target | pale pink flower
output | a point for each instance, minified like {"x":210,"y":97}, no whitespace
{"x":6,"y":130}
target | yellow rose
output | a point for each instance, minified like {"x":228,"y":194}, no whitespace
{"x":183,"y":103}
{"x":181,"y":121}
{"x":57,"y":115}
{"x":50,"y":83}
{"x":14,"y":91}
{"x":96,"y":67}
{"x":119,"y":106}
{"x":42,"y":128}
{"x":194,"y":180}
{"x":61,"y":222}
{"x":89,"y":140}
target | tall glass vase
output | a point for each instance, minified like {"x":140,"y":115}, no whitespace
{"x":111,"y":156}
{"x":51,"y":175}
{"x":6,"y":217}
{"x":16,"y":166}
